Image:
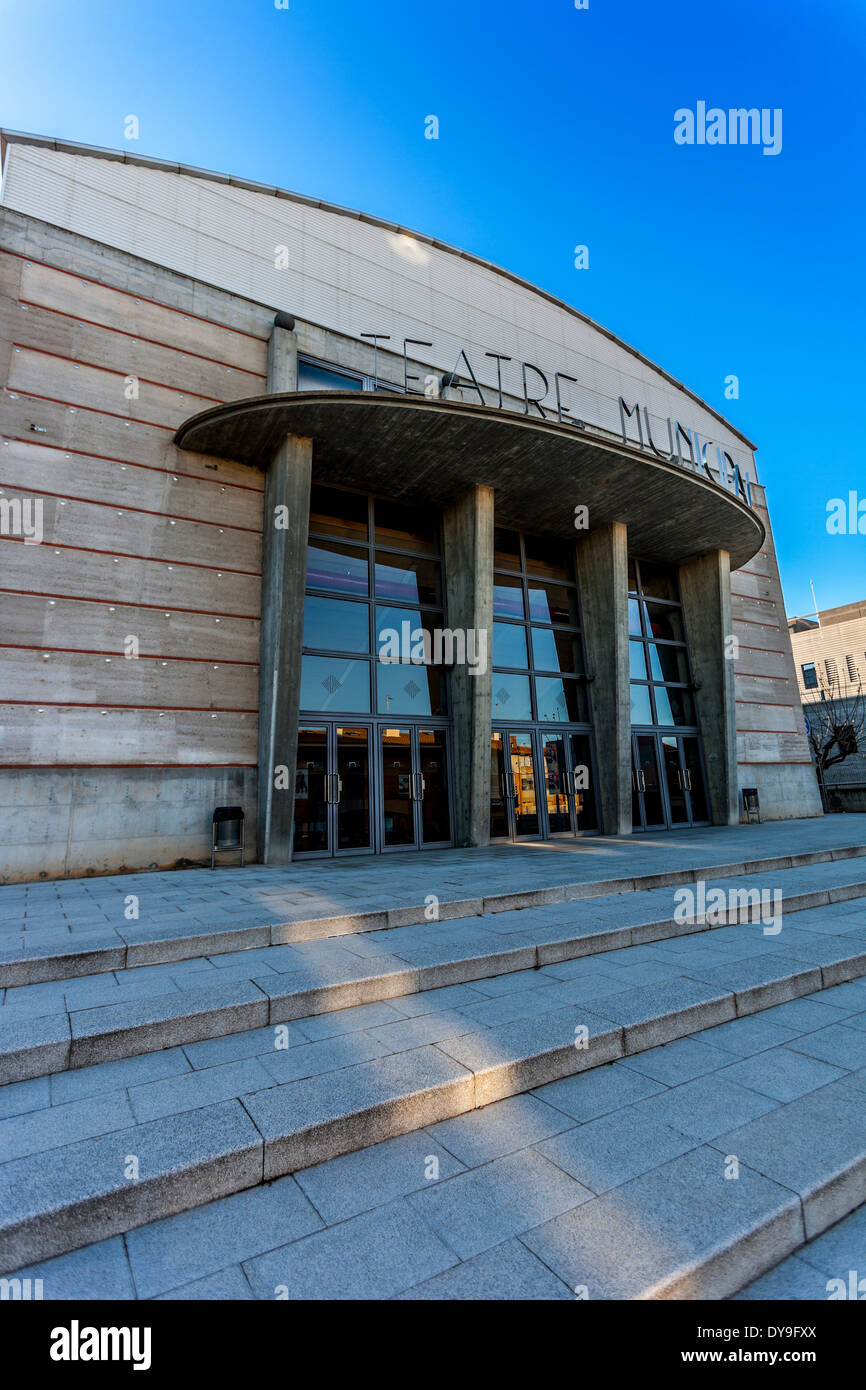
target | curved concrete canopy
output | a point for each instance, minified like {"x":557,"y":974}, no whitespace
{"x":428,"y":452}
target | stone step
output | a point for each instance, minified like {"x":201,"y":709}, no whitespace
{"x":69,"y":951}
{"x":57,"y":1197}
{"x":50,"y":1027}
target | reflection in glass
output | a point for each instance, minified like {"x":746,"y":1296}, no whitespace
{"x":551,"y":603}
{"x":341,"y":568}
{"x":432,"y":763}
{"x":409,"y":689}
{"x":336,"y":625}
{"x":634,"y":617}
{"x":555,"y":651}
{"x":549,"y":559}
{"x":506,"y":549}
{"x":556,"y":784}
{"x":397,"y":803}
{"x":338,"y":513}
{"x":637,"y":661}
{"x":668,"y":663}
{"x":509,"y":645}
{"x":675,"y":781}
{"x":311,"y":811}
{"x":511,"y":696}
{"x":499,"y":826}
{"x":658,"y":581}
{"x":641,"y":708}
{"x":507,"y":597}
{"x":311,"y":378}
{"x":406,"y":579}
{"x":665,"y":622}
{"x":674,"y":706}
{"x":560,"y":701}
{"x":353,"y":806}
{"x":407,"y":528}
{"x":523,"y":784}
{"x":652,"y":794}
{"x":584,"y":791}
{"x":422,"y":624}
{"x":697,"y":791}
{"x":335,"y":683}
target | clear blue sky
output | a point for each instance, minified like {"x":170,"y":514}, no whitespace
{"x":556,"y":128}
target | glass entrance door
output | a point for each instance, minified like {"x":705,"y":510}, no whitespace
{"x":332,"y":790}
{"x":668,"y":787}
{"x":569,"y":803}
{"x":648,"y":804}
{"x":514,"y":813}
{"x":415,"y":806}
{"x":541,"y":784}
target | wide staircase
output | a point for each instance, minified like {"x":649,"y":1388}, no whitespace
{"x":145,"y":1071}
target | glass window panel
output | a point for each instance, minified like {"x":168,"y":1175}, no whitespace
{"x":637,"y":661}
{"x":664,"y":622}
{"x":584,"y":796}
{"x":511,"y":697}
{"x":551,"y":603}
{"x":408,"y":528}
{"x":311,"y":798}
{"x":632,"y":576}
{"x":406,"y":579}
{"x":408,"y":689}
{"x":509,"y":645}
{"x":335,"y":683}
{"x":674,"y":706}
{"x":658,"y":581}
{"x":549,"y":558}
{"x":560,"y":701}
{"x":506,"y":549}
{"x":641,"y":708}
{"x":634,"y":616}
{"x":336,"y":625}
{"x":353,"y":769}
{"x":337,"y":567}
{"x":312,"y":378}
{"x":556,"y":651}
{"x":338,"y":513}
{"x":668,"y":663}
{"x":389,"y":621}
{"x":507,"y":597}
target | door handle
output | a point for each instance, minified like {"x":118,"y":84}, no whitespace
{"x":419,"y":786}
{"x":688,"y":777}
{"x":331,"y":799}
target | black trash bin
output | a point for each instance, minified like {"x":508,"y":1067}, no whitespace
{"x":228,"y":832}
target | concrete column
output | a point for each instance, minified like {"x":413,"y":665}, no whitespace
{"x":602,"y":569}
{"x":468,"y":534}
{"x":705,"y":589}
{"x":285,"y":525}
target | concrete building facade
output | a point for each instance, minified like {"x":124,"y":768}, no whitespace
{"x":310,"y":514}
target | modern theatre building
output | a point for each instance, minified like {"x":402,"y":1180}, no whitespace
{"x":310,"y":514}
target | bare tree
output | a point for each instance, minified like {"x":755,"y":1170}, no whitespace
{"x":837,"y":725}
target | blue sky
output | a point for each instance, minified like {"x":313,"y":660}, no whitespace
{"x":556,"y":129}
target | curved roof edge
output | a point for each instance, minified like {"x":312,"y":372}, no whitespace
{"x":18,"y":137}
